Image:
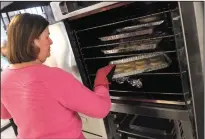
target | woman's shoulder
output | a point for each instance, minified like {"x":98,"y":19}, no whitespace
{"x":55,"y":72}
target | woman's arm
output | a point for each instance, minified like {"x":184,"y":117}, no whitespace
{"x":73,"y":95}
{"x":4,"y":112}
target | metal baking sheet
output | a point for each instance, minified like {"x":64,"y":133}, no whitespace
{"x":134,"y":46}
{"x":127,"y":35}
{"x":131,"y":28}
{"x":146,"y":67}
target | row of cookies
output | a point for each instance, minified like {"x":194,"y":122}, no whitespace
{"x":138,"y":65}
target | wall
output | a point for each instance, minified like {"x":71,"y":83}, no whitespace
{"x":61,"y":51}
{"x":199,"y":13}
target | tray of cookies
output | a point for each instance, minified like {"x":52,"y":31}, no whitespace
{"x":139,"y":64}
{"x":134,"y":46}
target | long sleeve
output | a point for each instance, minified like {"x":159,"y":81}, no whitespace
{"x":4,"y":112}
{"x":75,"y":96}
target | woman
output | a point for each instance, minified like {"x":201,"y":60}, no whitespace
{"x":44,"y":101}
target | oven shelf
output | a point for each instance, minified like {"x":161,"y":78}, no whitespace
{"x":93,"y":65}
{"x":162,"y":86}
{"x":127,"y":20}
{"x":84,"y":40}
{"x":105,"y":57}
{"x":118,"y":43}
{"x":165,"y":45}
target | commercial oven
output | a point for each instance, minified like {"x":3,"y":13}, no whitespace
{"x":159,"y":92}
{"x":163,"y":102}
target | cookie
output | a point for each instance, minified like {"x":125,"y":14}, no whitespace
{"x":140,"y":62}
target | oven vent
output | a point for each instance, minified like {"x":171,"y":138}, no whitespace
{"x":181,"y":130}
{"x":185,"y":130}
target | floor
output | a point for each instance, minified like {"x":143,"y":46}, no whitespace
{"x":8,"y":133}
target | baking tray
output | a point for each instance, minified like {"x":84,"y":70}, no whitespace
{"x":130,"y":66}
{"x":152,"y":125}
{"x":135,"y":27}
{"x":127,"y":35}
{"x":134,"y":46}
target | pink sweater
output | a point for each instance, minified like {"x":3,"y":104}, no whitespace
{"x":44,"y":102}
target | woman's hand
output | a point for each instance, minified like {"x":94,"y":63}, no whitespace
{"x":104,"y":76}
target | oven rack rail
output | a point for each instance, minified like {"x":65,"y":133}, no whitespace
{"x":154,"y":73}
{"x":156,"y":102}
{"x":158,"y":93}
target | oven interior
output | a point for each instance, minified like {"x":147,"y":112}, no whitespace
{"x":163,"y":19}
{"x":95,"y":40}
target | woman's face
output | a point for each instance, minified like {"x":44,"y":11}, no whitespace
{"x":43,"y":42}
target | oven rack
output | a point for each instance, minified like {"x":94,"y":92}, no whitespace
{"x":158,"y":72}
{"x":119,"y":56}
{"x":130,"y":19}
{"x":173,"y":69}
{"x":131,"y":41}
{"x":152,"y":93}
{"x":158,"y":35}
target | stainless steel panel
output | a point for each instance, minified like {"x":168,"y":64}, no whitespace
{"x":199,"y":14}
{"x":167,"y":113}
{"x":151,"y":101}
{"x":192,"y":47}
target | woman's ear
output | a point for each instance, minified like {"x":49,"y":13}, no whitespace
{"x":36,"y":42}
